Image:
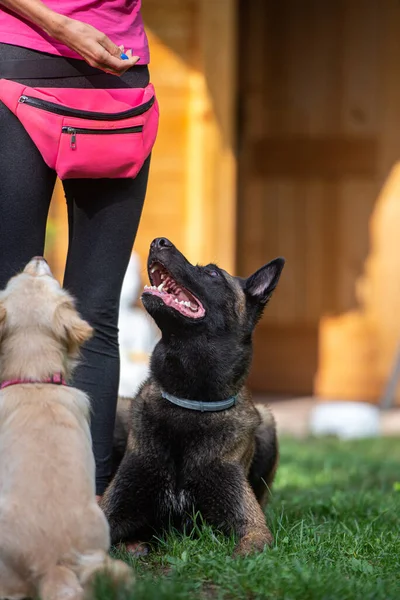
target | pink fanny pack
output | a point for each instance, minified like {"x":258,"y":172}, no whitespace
{"x":87,"y":133}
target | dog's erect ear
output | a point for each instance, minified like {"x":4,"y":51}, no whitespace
{"x":70,"y":327}
{"x":259,"y":286}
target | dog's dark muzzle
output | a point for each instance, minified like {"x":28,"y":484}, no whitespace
{"x":160,"y":251}
{"x":161,"y":244}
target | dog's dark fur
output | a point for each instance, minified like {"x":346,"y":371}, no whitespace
{"x":181,"y":461}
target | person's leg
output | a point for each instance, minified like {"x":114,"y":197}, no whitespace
{"x":103,"y":218}
{"x":26,"y":187}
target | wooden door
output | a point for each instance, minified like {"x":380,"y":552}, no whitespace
{"x":311,"y":148}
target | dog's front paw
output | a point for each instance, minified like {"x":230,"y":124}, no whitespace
{"x":253,"y":542}
{"x":136,"y":548}
{"x":119,"y":571}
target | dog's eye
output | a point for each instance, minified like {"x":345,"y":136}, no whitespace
{"x":212,"y":273}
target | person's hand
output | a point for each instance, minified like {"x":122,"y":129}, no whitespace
{"x":94,"y":47}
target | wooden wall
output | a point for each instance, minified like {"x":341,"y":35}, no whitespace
{"x":192,"y":188}
{"x":315,"y":145}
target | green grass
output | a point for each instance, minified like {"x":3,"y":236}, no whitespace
{"x":335,"y":515}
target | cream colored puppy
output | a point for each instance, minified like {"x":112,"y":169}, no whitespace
{"x":53,"y":535}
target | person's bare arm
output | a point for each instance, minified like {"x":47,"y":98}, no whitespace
{"x":92,"y":45}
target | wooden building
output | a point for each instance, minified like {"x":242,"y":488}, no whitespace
{"x":279,"y":129}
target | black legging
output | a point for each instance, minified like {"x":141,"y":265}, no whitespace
{"x":103,"y":217}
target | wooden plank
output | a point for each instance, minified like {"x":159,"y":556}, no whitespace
{"x":287,"y":237}
{"x":306,"y":157}
{"x":363,"y":33}
{"x":355,"y":206}
{"x":211,"y":158}
{"x":170,"y":33}
{"x":194,"y":165}
{"x":313,"y":257}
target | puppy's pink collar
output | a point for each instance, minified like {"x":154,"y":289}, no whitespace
{"x":56,"y":378}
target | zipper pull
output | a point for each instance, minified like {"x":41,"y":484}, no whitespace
{"x":22,"y":99}
{"x":72,"y":143}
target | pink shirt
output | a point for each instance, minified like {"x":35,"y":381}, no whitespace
{"x":120,"y":20}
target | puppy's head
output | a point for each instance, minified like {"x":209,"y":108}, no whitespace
{"x":40,"y":330}
{"x":186,"y":298}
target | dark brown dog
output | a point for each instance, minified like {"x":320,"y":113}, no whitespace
{"x":196,"y":440}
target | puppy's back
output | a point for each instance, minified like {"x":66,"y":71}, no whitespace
{"x":46,"y":473}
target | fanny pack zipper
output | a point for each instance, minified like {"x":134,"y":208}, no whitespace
{"x":72,"y":131}
{"x":85,"y":114}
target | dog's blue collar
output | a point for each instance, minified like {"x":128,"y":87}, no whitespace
{"x":199,"y":405}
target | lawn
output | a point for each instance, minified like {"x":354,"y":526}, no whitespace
{"x":335,"y":515}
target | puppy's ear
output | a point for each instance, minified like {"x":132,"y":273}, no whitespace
{"x":70,"y":327}
{"x":259,"y":286}
{"x":3,"y":314}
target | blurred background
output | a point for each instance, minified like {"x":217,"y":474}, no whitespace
{"x":280,"y":135}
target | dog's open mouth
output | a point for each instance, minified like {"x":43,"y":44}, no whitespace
{"x":172,"y":293}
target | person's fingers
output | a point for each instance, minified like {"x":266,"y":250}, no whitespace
{"x":124,"y":65}
{"x":117,"y":67}
{"x":112,"y":48}
{"x":104,"y":54}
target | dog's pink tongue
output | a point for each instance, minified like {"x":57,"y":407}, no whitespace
{"x":181,"y":295}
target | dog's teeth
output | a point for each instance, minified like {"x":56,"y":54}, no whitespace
{"x":154,"y":269}
{"x":176,"y":300}
{"x":146,"y":287}
{"x":187,"y":304}
{"x":162,"y":276}
{"x":160,"y":287}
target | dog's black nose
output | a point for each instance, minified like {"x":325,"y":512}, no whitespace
{"x":161,"y":244}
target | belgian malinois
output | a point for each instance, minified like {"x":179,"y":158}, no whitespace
{"x":197,"y":443}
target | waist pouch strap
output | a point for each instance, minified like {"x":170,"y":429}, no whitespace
{"x":87,"y":133}
{"x":47,"y":67}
